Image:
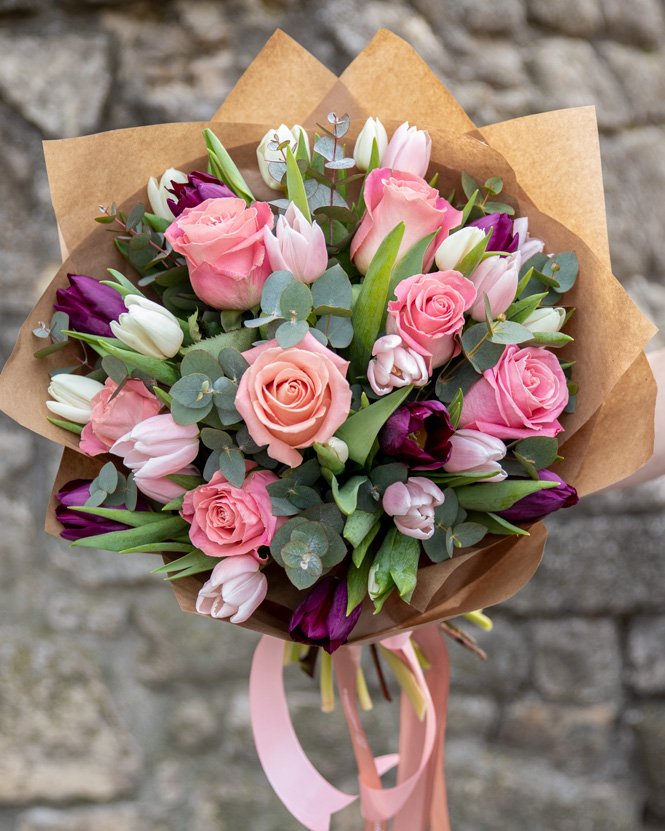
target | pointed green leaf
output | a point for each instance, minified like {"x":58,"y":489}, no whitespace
{"x":498,"y":496}
{"x":66,"y":425}
{"x":154,"y":532}
{"x":194,"y":562}
{"x":223,"y":166}
{"x":295,"y":186}
{"x":346,"y":497}
{"x":136,"y":519}
{"x":361,"y":429}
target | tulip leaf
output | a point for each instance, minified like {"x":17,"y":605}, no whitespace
{"x":346,"y":496}
{"x":295,"y":186}
{"x":381,"y":584}
{"x":553,"y":339}
{"x":455,"y":408}
{"x":195,"y":562}
{"x":411,"y":263}
{"x":66,"y":425}
{"x":479,"y":349}
{"x":232,"y":466}
{"x":221,"y":165}
{"x":470,"y":262}
{"x":154,"y":532}
{"x":357,"y":579}
{"x":509,"y":332}
{"x":135,"y":519}
{"x":357,"y":526}
{"x":521,"y":309}
{"x":123,"y":282}
{"x":186,"y":481}
{"x":371,"y":302}
{"x":360,"y":551}
{"x":498,"y":496}
{"x":161,"y":370}
{"x":361,"y":429}
{"x":164,"y":548}
{"x":404,"y":557}
{"x":496,"y":524}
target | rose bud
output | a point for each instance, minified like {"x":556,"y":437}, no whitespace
{"x":149,"y":328}
{"x":265,"y":155}
{"x":73,"y":396}
{"x":412,"y":506}
{"x":418,"y":434}
{"x":236,"y":589}
{"x":297,"y":246}
{"x":409,"y":150}
{"x":362,"y":151}
{"x":539,"y":504}
{"x":527,"y":245}
{"x":196,"y":188}
{"x":497,"y":277}
{"x":546,"y":319}
{"x":78,"y":525}
{"x":476,"y":452}
{"x":321,"y":618}
{"x":457,"y":246}
{"x":158,"y":194}
{"x":395,"y":364}
{"x":399,"y":195}
{"x":91,"y":306}
{"x":114,"y":413}
{"x":502,"y":235}
{"x":156,"y":448}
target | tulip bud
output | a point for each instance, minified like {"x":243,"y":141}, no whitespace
{"x":321,"y":618}
{"x":395,"y":365}
{"x":148,"y":328}
{"x":265,"y":156}
{"x":526,"y":244}
{"x":545,"y":319}
{"x":362,"y":151}
{"x":476,"y":452}
{"x":236,"y":589}
{"x":158,"y":194}
{"x":91,"y":305}
{"x":501,"y":230}
{"x":539,"y":504}
{"x":409,"y":150}
{"x":497,"y":277}
{"x":197,"y":188}
{"x":412,"y":506}
{"x":297,"y":246}
{"x":73,"y":396}
{"x":455,"y":247}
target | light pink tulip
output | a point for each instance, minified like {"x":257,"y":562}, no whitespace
{"x":497,"y":277}
{"x":522,"y":396}
{"x":113,"y":414}
{"x":161,"y":488}
{"x":157,"y":447}
{"x":297,"y":246}
{"x":412,"y":506}
{"x":476,"y":452}
{"x":395,"y":364}
{"x":393,"y":197}
{"x":236,"y":589}
{"x":527,"y":245}
{"x":409,"y":150}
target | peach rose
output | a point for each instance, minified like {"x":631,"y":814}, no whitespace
{"x":112,"y":417}
{"x":291,"y":398}
{"x":429,"y":314}
{"x":222,"y":241}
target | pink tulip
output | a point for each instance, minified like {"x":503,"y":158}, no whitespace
{"x":157,"y":447}
{"x":497,"y":277}
{"x":409,"y":150}
{"x":526,"y":245}
{"x":236,"y":589}
{"x":476,"y":452}
{"x":161,"y":488}
{"x":412,"y":506}
{"x":395,"y":364}
{"x":297,"y":246}
{"x":391,"y":197}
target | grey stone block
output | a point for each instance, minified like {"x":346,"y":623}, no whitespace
{"x":646,"y":653}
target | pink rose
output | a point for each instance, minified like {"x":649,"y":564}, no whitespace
{"x":291,"y":398}
{"x":521,"y":396}
{"x":391,"y":197}
{"x":227,"y":521}
{"x":235,"y":590}
{"x":112,"y":417}
{"x":222,"y":241}
{"x":429,"y":314}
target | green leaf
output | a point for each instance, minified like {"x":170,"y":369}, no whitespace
{"x":410,"y":263}
{"x":357,"y":578}
{"x":295,"y":301}
{"x":479,"y":349}
{"x":521,"y":309}
{"x":553,"y":339}
{"x":468,"y":534}
{"x":381,"y":584}
{"x":498,"y":208}
{"x":540,"y":451}
{"x":357,"y":526}
{"x":509,"y":332}
{"x":223,"y":166}
{"x":371,"y":302}
{"x":337,"y":330}
{"x":115,"y":369}
{"x":164,"y":548}
{"x":157,"y":223}
{"x":346,"y":497}
{"x":122,"y":281}
{"x":154,"y":532}
{"x":172,"y":276}
{"x":445,"y":515}
{"x":291,"y":333}
{"x":332,"y":292}
{"x":494,"y":185}
{"x":66,"y":425}
{"x":135,"y":519}
{"x":161,"y":370}
{"x":360,"y":550}
{"x":194,"y":562}
{"x":404,"y":557}
{"x":216,"y":439}
{"x":135,"y":216}
{"x":470,"y":262}
{"x":193,"y":391}
{"x":233,"y":363}
{"x":108,"y":477}
{"x":472,"y":198}
{"x":186,"y":482}
{"x":455,"y":408}
{"x":469,"y":185}
{"x":451,"y":381}
{"x":200,"y":362}
{"x":498,"y":496}
{"x":189,"y":415}
{"x":566,"y":275}
{"x":295,"y":186}
{"x":496,"y":524}
{"x":232,"y":466}
{"x":50,"y":349}
{"x":240,"y":339}
{"x":361,"y":429}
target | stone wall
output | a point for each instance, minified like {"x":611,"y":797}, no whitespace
{"x":119,"y":713}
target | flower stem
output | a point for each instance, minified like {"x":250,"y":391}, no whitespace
{"x":407,"y":682}
{"x":326,"y":680}
{"x":480,"y":620}
{"x":363,"y":693}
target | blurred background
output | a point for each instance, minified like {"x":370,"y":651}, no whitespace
{"x":118,"y":712}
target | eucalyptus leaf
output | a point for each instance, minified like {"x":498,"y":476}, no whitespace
{"x":291,"y":332}
{"x":479,"y":349}
{"x":338,"y":331}
{"x":232,"y":466}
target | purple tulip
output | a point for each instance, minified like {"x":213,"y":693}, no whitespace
{"x":541,"y":503}
{"x":198,"y":187}
{"x":79,"y":525}
{"x":90,"y":305}
{"x":321,"y":618}
{"x":418,"y":434}
{"x":501,"y":226}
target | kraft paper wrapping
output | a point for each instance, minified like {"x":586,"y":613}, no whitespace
{"x":550,"y":164}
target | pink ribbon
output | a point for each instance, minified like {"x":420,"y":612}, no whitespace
{"x":417,"y":801}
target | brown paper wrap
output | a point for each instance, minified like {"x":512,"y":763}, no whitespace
{"x":550,"y":164}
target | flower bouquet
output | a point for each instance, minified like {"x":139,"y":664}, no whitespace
{"x":335,"y":380}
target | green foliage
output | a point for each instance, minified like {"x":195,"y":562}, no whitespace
{"x":361,"y":429}
{"x":306,"y":548}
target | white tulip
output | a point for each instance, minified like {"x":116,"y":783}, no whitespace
{"x":456,"y":246}
{"x":148,"y":328}
{"x":73,"y":394}
{"x":339,"y":448}
{"x":362,"y":151}
{"x":266,"y":156}
{"x":158,"y":193}
{"x":545,"y":320}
